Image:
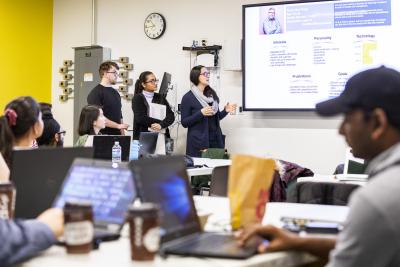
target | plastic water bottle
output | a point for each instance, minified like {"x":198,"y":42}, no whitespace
{"x":134,"y":151}
{"x":116,"y":153}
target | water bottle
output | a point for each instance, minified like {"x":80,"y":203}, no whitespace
{"x":116,"y":153}
{"x":134,"y":151}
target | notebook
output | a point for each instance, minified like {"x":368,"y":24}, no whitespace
{"x":38,"y":175}
{"x":164,"y":181}
{"x":353,"y":168}
{"x":108,"y":186}
{"x":103,"y":146}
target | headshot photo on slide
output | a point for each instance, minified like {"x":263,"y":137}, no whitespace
{"x":271,"y":20}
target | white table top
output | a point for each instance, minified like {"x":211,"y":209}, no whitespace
{"x":319,"y":178}
{"x":211,"y":164}
{"x":117,"y":253}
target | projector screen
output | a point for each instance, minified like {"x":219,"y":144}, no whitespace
{"x":296,"y":54}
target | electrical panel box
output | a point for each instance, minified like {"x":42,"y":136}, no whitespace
{"x":86,"y":76}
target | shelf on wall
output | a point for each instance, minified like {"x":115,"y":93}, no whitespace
{"x":212,"y":49}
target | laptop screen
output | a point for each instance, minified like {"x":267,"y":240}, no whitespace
{"x":148,"y":143}
{"x":38,"y":175}
{"x":103,"y":145}
{"x":164,"y":181}
{"x":109,"y":189}
{"x":352,"y":164}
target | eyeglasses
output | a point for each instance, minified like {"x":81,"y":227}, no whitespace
{"x":205,"y":74}
{"x":61,"y":132}
{"x":152,"y":81}
{"x":113,"y":72}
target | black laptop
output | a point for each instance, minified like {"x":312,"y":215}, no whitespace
{"x":147,"y":143}
{"x":108,"y":186}
{"x":103,"y":146}
{"x":164,"y":181}
{"x":38,"y":175}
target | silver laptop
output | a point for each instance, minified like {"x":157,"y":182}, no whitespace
{"x":108,"y":186}
{"x":353,"y":168}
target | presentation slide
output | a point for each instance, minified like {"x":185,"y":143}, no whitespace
{"x":299,"y":54}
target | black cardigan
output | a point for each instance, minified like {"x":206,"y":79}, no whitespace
{"x":142,"y":121}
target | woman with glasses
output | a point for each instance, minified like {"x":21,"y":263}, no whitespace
{"x":200,"y":114}
{"x":142,"y":102}
{"x":52,"y":134}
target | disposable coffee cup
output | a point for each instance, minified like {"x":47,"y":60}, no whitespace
{"x":78,"y":227}
{"x":7,"y":200}
{"x":144,"y":227}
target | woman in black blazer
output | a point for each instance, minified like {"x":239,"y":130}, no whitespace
{"x":145,"y":88}
{"x":200,"y":114}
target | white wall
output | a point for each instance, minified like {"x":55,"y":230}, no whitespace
{"x":300,"y":137}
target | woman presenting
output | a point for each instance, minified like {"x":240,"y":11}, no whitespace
{"x":145,"y":95}
{"x":200,"y":114}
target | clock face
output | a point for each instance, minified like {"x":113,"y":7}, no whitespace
{"x":154,"y":25}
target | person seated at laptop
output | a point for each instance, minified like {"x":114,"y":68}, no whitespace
{"x":371,"y":127}
{"x":91,"y":121}
{"x":145,"y":95}
{"x":20,"y":126}
{"x":52,"y":134}
{"x":4,"y":170}
{"x":22,"y":239}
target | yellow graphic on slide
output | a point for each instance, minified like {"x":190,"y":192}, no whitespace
{"x":368,"y":49}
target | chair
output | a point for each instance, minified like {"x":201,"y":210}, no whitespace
{"x":322,"y":193}
{"x":219,"y":181}
{"x":201,"y":183}
{"x":215,"y":153}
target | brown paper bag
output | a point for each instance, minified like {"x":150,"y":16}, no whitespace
{"x":248,"y":189}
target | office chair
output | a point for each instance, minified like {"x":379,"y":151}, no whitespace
{"x":219,"y":181}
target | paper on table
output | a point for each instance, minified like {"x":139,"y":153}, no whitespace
{"x":328,"y":213}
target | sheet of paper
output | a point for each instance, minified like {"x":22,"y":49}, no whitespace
{"x":157,"y":111}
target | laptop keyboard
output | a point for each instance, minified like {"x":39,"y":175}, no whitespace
{"x":210,"y":244}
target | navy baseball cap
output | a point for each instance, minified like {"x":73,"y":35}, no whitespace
{"x":369,"y":89}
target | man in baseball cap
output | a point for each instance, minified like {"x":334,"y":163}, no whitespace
{"x":370,"y":103}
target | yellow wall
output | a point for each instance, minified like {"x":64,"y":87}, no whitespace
{"x":25,"y":49}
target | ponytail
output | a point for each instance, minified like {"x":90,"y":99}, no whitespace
{"x":19,"y":117}
{"x":6,"y":140}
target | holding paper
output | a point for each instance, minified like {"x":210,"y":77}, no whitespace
{"x":150,"y":109}
{"x":159,"y":112}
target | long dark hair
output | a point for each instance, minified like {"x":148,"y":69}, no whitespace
{"x":89,"y":114}
{"x":142,"y":79}
{"x":19,"y":116}
{"x":50,"y":126}
{"x":194,"y":78}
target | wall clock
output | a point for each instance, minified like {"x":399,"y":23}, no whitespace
{"x":154,"y":25}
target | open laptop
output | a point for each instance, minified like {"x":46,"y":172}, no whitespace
{"x":354,"y":168}
{"x":147,"y":143}
{"x":108,"y":186}
{"x":103,"y":146}
{"x":38,"y":175}
{"x":164,"y":181}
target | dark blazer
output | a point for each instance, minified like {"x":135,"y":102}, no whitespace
{"x":197,"y":124}
{"x":141,"y":119}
